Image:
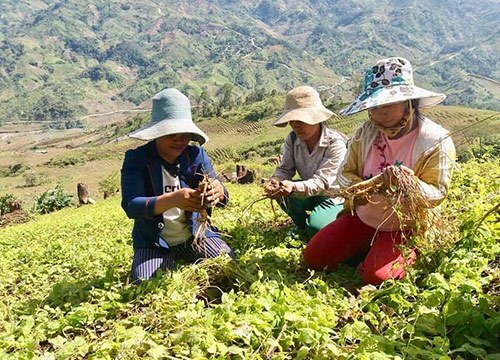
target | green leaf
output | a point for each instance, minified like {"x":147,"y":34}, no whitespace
{"x":235,"y":350}
{"x":26,"y":325}
{"x":58,"y":341}
{"x":307,"y":336}
{"x":157,"y":351}
{"x":302,"y":353}
{"x":475,"y":351}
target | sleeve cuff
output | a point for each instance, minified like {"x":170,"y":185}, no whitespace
{"x":149,"y":208}
{"x":298,"y":187}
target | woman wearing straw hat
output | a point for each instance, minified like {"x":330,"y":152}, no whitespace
{"x":397,"y":139}
{"x":160,"y":189}
{"x":314,"y":152}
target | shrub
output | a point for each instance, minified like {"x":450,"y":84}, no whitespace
{"x":265,"y":149}
{"x":488,"y":147}
{"x":52,"y":200}
{"x":110,"y":185}
{"x":65,"y":161}
{"x":68,"y":124}
{"x":31,"y":179}
{"x":9,"y":203}
{"x":53,"y":106}
{"x":13,"y":170}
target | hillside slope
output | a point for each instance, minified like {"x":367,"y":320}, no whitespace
{"x":61,"y":59}
{"x":65,"y":293}
{"x":89,"y":155}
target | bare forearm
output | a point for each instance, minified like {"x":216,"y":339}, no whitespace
{"x":164,"y":202}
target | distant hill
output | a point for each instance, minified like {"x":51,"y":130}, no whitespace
{"x":63,"y":59}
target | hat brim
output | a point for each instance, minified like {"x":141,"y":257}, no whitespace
{"x":170,"y":127}
{"x":310,"y":116}
{"x":392,"y":95}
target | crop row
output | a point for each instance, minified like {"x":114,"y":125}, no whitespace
{"x":65,"y":294}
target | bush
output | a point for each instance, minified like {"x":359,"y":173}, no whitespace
{"x":31,"y":179}
{"x":131,"y":125}
{"x":99,"y":73}
{"x":488,"y":147}
{"x":265,"y":149}
{"x":110,"y":185}
{"x":65,"y":161}
{"x":53,"y":106}
{"x":68,"y":124}
{"x":13,"y":170}
{"x":52,"y":200}
{"x":9,"y":203}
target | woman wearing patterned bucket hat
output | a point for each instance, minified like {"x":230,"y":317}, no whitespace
{"x":314,"y":152}
{"x":160,"y":189}
{"x":397,"y":139}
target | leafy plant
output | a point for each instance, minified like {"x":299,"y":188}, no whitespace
{"x":8,"y":204}
{"x":52,"y":200}
{"x":110,"y":185}
{"x":13,"y":170}
{"x":74,"y":265}
{"x":486,"y":147}
{"x":31,"y":179}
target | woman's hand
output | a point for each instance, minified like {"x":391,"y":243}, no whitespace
{"x":286,"y":187}
{"x":275,"y":189}
{"x":216,"y":194}
{"x":391,"y":173}
{"x":186,"y":199}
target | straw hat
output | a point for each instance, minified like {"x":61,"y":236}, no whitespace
{"x":390,"y":81}
{"x":171,"y":114}
{"x":303,"y":104}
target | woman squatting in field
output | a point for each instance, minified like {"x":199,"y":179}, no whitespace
{"x":314,"y":152}
{"x":403,"y":151}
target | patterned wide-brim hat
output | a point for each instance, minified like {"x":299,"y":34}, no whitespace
{"x":303,"y":104}
{"x":390,"y":81}
{"x":171,"y":114}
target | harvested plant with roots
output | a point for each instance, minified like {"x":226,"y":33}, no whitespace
{"x":271,"y":190}
{"x":205,"y":185}
{"x":405,"y":198}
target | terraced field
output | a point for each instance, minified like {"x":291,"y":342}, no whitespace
{"x":229,"y":138}
{"x":88,"y":155}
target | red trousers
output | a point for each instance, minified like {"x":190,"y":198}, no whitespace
{"x":347,"y":237}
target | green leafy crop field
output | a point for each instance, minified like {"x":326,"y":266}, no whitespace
{"x":65,"y":293}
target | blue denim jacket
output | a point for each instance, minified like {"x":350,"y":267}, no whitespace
{"x":142,"y":183}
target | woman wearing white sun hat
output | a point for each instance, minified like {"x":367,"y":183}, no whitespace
{"x":314,"y":152}
{"x":160,"y":189}
{"x":396,"y":135}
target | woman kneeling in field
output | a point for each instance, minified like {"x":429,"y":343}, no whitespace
{"x":402,"y":151}
{"x":160,"y":190}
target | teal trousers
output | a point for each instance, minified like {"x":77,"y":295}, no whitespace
{"x":311,"y":214}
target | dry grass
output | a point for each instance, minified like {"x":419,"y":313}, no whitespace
{"x":271,"y":189}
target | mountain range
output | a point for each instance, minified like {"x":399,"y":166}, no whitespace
{"x":63,"y":59}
